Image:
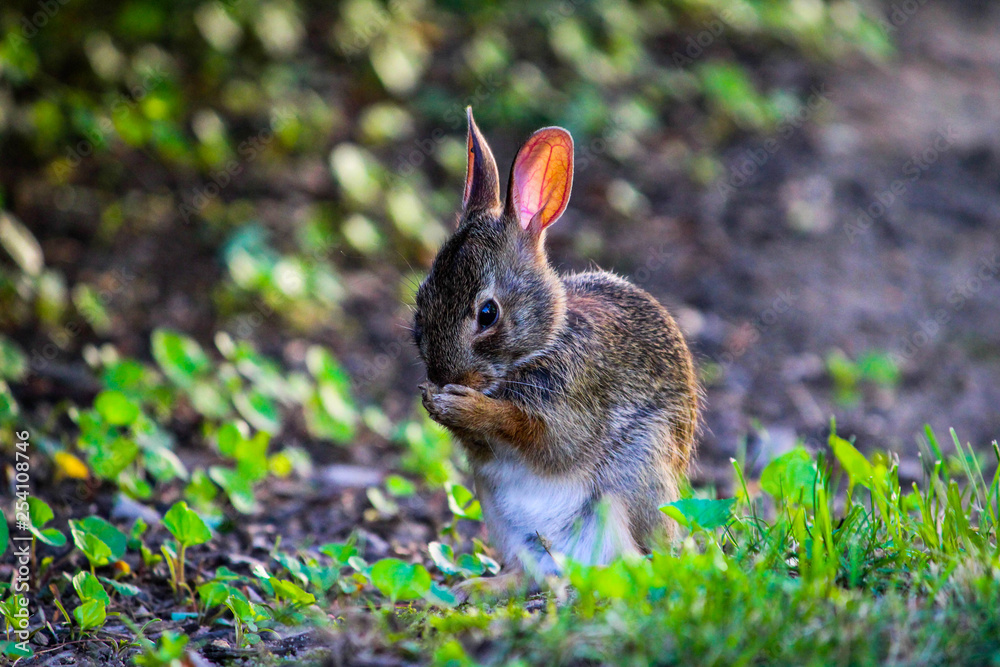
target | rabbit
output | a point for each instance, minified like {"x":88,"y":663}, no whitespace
{"x":574,"y":396}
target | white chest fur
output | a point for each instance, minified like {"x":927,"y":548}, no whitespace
{"x":531,"y":516}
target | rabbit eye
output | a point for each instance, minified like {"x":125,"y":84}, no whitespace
{"x":488,"y":314}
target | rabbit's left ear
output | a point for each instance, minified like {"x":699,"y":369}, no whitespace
{"x":541,"y":179}
{"x":482,"y":182}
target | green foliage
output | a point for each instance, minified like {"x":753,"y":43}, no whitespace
{"x":88,"y":587}
{"x":189,"y":530}
{"x":246,"y":615}
{"x":463,"y":503}
{"x":180,"y":357}
{"x":167,"y":652}
{"x":700,"y":513}
{"x":99,"y":541}
{"x":39,"y":514}
{"x":791,"y":478}
{"x":399,"y":580}
{"x":185,"y":525}
{"x":90,"y":615}
{"x":13,"y":363}
{"x":115,"y":408}
{"x":428,"y":451}
{"x":466,"y":565}
{"x":874,"y":368}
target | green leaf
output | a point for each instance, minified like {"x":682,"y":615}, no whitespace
{"x":325,"y":368}
{"x":160,"y":460}
{"x":613,"y":582}
{"x":89,"y":588}
{"x":470,"y":565}
{"x":214,"y":593}
{"x":185,"y":525}
{"x":109,"y":460}
{"x":90,"y":533}
{"x":180,"y":357}
{"x":858,"y":469}
{"x":340,"y":553}
{"x":258,"y":409}
{"x":109,"y":534}
{"x":39,"y":514}
{"x":13,"y":363}
{"x":400,"y":487}
{"x":229,"y":437}
{"x":463,"y":504}
{"x":116,"y":408}
{"x":442,"y":596}
{"x":123,"y":589}
{"x":443,"y":557}
{"x":90,"y":614}
{"x":791,"y":477}
{"x":96,"y":551}
{"x":237,"y":488}
{"x":707,"y":514}
{"x":14,"y":649}
{"x":399,"y":580}
{"x":324,"y":426}
{"x":288,"y":590}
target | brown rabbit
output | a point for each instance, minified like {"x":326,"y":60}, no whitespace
{"x":574,"y":396}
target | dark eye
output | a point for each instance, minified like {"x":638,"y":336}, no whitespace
{"x":488,"y":313}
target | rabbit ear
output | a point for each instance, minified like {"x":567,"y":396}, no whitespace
{"x":482,"y":182}
{"x":541,"y":179}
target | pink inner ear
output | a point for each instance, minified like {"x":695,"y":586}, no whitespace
{"x":543,"y":176}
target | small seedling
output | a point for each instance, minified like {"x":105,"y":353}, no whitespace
{"x":246,"y":615}
{"x":167,"y":652}
{"x":99,"y":541}
{"x":189,"y":530}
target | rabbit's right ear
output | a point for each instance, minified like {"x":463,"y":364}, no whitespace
{"x":482,"y":182}
{"x":541,"y":179}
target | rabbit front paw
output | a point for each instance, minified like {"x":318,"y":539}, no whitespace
{"x":453,"y":405}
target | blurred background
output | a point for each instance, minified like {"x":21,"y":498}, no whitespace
{"x":219,"y":210}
